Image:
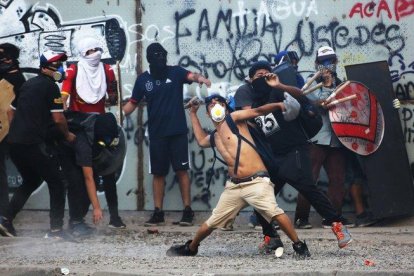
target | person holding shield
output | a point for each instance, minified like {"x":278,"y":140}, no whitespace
{"x":9,"y":71}
{"x":327,"y":150}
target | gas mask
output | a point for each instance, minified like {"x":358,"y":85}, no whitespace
{"x":328,"y":65}
{"x":218,"y":112}
{"x":59,"y":74}
{"x":261,"y":89}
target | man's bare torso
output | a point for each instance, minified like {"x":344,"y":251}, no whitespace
{"x":226,"y":143}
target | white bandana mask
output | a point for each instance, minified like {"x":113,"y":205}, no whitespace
{"x":218,"y":113}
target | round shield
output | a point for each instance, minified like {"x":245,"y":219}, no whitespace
{"x":357,"y":118}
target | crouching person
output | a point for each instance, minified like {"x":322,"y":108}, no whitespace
{"x":99,"y":151}
{"x":248,"y":183}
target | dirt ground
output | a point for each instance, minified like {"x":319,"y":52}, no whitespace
{"x":133,"y":251}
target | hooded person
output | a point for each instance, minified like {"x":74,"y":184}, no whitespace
{"x":162,"y":89}
{"x":157,"y":59}
{"x":9,"y":71}
{"x":87,"y":84}
{"x":89,"y":81}
{"x":98,"y":152}
{"x":9,"y":55}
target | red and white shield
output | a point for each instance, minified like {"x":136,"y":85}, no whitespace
{"x":358,"y":122}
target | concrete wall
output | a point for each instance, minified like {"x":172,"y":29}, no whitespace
{"x":220,"y":39}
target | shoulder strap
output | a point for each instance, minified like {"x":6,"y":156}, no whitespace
{"x":233,"y":127}
{"x":213,"y":145}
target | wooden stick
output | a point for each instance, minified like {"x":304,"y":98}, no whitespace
{"x":119,"y":88}
{"x":339,"y":89}
{"x":344,"y":99}
{"x":309,"y":82}
{"x":313,"y":88}
{"x":190,"y":102}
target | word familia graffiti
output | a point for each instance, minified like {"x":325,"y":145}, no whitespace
{"x":400,"y":9}
{"x":249,"y":39}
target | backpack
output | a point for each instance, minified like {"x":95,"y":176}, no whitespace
{"x":260,"y":145}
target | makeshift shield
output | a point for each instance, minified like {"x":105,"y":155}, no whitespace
{"x":357,"y":118}
{"x":6,"y":98}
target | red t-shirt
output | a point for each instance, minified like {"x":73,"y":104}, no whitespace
{"x":76,"y":103}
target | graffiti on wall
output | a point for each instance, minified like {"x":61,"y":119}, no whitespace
{"x":35,"y":28}
{"x":221,"y":39}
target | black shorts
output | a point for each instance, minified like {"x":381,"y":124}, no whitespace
{"x":166,"y":150}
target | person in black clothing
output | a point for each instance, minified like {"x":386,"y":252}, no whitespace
{"x":98,"y":151}
{"x":10,"y":71}
{"x":39,"y":107}
{"x":289,"y":145}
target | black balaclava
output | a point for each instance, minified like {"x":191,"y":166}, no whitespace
{"x":105,"y":131}
{"x":157,"y":59}
{"x":261,"y":90}
{"x":9,"y":52}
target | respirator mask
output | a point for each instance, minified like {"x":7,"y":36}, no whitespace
{"x":59,"y":74}
{"x":328,"y":65}
{"x":218,"y":112}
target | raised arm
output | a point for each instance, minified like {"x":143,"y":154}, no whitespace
{"x":247,"y":114}
{"x":200,"y":79}
{"x":273,"y":80}
{"x":203,"y":139}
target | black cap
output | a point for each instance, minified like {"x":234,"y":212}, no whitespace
{"x":217,"y":97}
{"x":155,"y":48}
{"x":259,"y":65}
{"x":9,"y":51}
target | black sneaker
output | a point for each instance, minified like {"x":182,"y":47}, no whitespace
{"x":301,"y":250}
{"x":157,"y":218}
{"x":303,"y":224}
{"x":6,"y":228}
{"x":270,"y":245}
{"x":81,"y":229}
{"x":365,"y":219}
{"x":188,"y":215}
{"x":182,"y":250}
{"x":116,"y":223}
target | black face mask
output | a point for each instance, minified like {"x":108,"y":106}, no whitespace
{"x":261,"y":89}
{"x":158,"y":65}
{"x":6,"y":67}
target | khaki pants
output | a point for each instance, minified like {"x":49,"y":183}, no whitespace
{"x":258,"y":193}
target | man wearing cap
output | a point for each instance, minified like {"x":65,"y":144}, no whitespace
{"x":289,"y":146}
{"x":162,"y":87}
{"x":87,"y":85}
{"x":39,"y":106}
{"x":248,"y":183}
{"x":10,"y":71}
{"x":327,"y":150}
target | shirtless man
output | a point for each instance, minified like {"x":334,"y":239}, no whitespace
{"x":248,"y":183}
